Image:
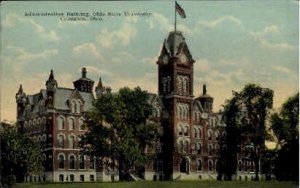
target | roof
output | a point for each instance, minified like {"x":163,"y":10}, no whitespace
{"x":172,"y":44}
{"x":62,"y":95}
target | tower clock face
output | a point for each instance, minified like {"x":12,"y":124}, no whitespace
{"x":183,"y":58}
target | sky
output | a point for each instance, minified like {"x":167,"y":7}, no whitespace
{"x":232,"y":42}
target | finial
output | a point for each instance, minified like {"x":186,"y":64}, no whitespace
{"x":100,"y":83}
{"x":204,"y":89}
{"x":83,"y":71}
{"x":51,"y":76}
{"x":20,"y":89}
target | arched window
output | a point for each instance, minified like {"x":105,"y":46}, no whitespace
{"x":61,"y":123}
{"x":210,"y":165}
{"x":210,"y":150}
{"x":78,"y":104}
{"x":209,"y":135}
{"x":195,"y":133}
{"x":181,"y":146}
{"x":240,"y":165}
{"x":72,"y":142}
{"x":200,"y":133}
{"x":217,"y":134}
{"x":92,"y":162}
{"x":72,"y":162}
{"x":73,"y":106}
{"x":71,"y":124}
{"x":72,"y":178}
{"x":186,"y":146}
{"x":81,"y":162}
{"x":61,"y":161}
{"x":61,"y":177}
{"x":198,"y":148}
{"x":80,"y":125}
{"x":217,"y":148}
{"x":180,"y":131}
{"x":199,"y":165}
{"x":61,"y":141}
{"x":179,"y":82}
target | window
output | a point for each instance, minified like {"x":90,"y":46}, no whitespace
{"x":61,"y":161}
{"x":210,"y":150}
{"x":72,"y":142}
{"x":72,"y":162}
{"x":71,"y":124}
{"x":181,"y":147}
{"x":217,"y":134}
{"x":199,"y":165}
{"x":210,"y":166}
{"x":180,"y":130}
{"x":73,"y":107}
{"x":92,"y":178}
{"x":80,"y":124}
{"x":92,"y":162}
{"x":81,"y":162}
{"x":186,"y":146}
{"x":61,"y":123}
{"x":195,"y":133}
{"x":77,"y":106}
{"x":198,"y":148}
{"x":199,"y":132}
{"x":82,"y":178}
{"x":61,"y":141}
{"x":61,"y":177}
{"x":186,"y":131}
{"x":72,"y":178}
{"x":209,"y":135}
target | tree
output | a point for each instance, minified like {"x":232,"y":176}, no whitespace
{"x":20,"y":156}
{"x":232,"y":120}
{"x":245,"y":117}
{"x":285,"y":125}
{"x":119,"y":133}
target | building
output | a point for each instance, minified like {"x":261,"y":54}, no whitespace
{"x":54,"y":118}
{"x":191,"y":130}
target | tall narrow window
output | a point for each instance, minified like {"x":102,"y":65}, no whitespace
{"x":210,"y":166}
{"x":61,"y":141}
{"x":78,"y":106}
{"x":92,"y":162}
{"x":73,"y":107}
{"x":199,"y":165}
{"x":72,"y":162}
{"x":71,"y":124}
{"x":80,"y":125}
{"x":81,"y":162}
{"x":61,"y":161}
{"x":72,"y":142}
{"x":61,"y":123}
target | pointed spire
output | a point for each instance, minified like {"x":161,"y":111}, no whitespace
{"x":20,"y":89}
{"x":204,"y":89}
{"x":51,"y":76}
{"x":100,"y":85}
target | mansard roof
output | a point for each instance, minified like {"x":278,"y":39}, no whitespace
{"x":62,"y":95}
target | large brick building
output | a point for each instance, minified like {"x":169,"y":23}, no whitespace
{"x":190,"y":146}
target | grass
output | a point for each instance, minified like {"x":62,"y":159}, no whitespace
{"x":170,"y":184}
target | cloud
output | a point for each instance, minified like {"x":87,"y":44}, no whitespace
{"x":109,"y":39}
{"x":11,"y":20}
{"x":261,"y":36}
{"x":282,"y":69}
{"x":88,"y":48}
{"x":214,"y":23}
{"x":22,"y":57}
{"x":95,"y":70}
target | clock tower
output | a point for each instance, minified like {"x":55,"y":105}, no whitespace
{"x":175,"y":88}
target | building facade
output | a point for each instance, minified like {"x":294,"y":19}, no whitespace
{"x":192,"y":133}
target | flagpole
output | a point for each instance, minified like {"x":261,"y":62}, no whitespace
{"x":175,"y":18}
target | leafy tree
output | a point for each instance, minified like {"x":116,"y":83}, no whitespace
{"x":228,"y":157}
{"x":19,"y":156}
{"x":245,"y":116}
{"x":119,"y":133}
{"x":285,"y":125}
{"x":256,"y":103}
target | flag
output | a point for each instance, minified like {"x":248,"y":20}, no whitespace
{"x":180,"y":10}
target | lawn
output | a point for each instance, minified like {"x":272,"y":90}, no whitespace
{"x":171,"y":184}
